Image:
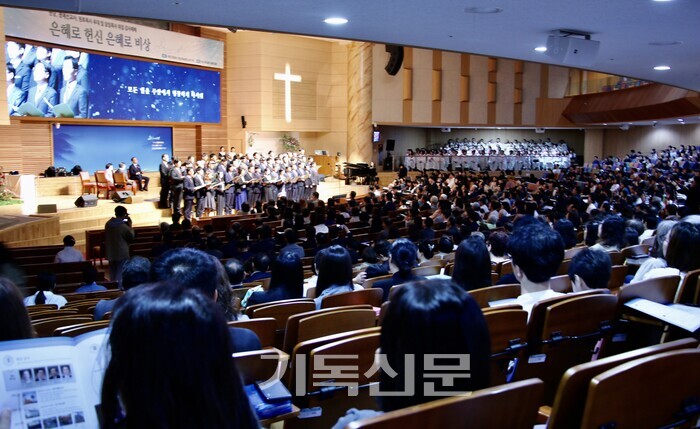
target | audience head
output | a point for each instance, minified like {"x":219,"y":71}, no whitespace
{"x":290,"y":236}
{"x":445,"y":245}
{"x":162,"y":338}
{"x":189,"y":267}
{"x":566,"y":229}
{"x":68,"y":241}
{"x":45,"y":283}
{"x":612,"y":232}
{"x":682,"y":247}
{"x":89,"y":275}
{"x":334,"y":267}
{"x":472,"y":269}
{"x":235,"y":271}
{"x":498,"y":243}
{"x":14,"y":320}
{"x":432,"y":317}
{"x":404,"y":255}
{"x":536,"y":249}
{"x":427,"y":249}
{"x":662,"y":231}
{"x":288,"y":273}
{"x":136,"y":271}
{"x":590,"y":269}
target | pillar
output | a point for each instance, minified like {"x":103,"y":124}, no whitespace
{"x":359,"y":142}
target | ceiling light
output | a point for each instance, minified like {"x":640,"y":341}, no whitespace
{"x":680,"y":120}
{"x":541,"y":49}
{"x":335,"y":21}
{"x":662,"y":68}
{"x":483,"y":10}
{"x":605,"y":124}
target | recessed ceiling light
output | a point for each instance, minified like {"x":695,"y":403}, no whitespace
{"x":483,"y":10}
{"x":680,"y":119}
{"x":541,"y":49}
{"x":335,"y":21}
{"x":662,"y":68}
{"x":605,"y":124}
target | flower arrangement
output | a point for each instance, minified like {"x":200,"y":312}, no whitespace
{"x":7,"y":197}
{"x":290,"y":143}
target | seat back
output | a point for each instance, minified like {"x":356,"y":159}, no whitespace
{"x":617,"y":277}
{"x":80,"y":328}
{"x":334,"y":322}
{"x":659,"y":289}
{"x":689,"y":290}
{"x":257,"y":365}
{"x":38,"y":308}
{"x":655,"y":391}
{"x":561,"y":284}
{"x":563,"y":267}
{"x":291,"y":332}
{"x":639,"y":251}
{"x":511,"y":406}
{"x":120,"y":178}
{"x":507,"y":329}
{"x":46,"y":327}
{"x":429,"y":270}
{"x":570,"y":253}
{"x":50,"y":314}
{"x":264,"y":327}
{"x":84,"y":177}
{"x":494,"y":293}
{"x":572,"y":391}
{"x":369,"y":283}
{"x":372,"y":297}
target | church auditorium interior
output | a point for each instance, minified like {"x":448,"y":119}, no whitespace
{"x":350,"y":214}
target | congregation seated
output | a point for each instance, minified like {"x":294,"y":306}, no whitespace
{"x":69,"y":252}
{"x":14,"y":320}
{"x":590,"y":269}
{"x":46,"y":282}
{"x":682,"y":252}
{"x":196,"y":270}
{"x":261,"y":265}
{"x":136,"y":272}
{"x":156,"y":345}
{"x":404,"y":257}
{"x":537,"y":252}
{"x":286,"y":280}
{"x":423,"y":319}
{"x":472,"y":268}
{"x":611,"y":235}
{"x":334,"y":267}
{"x":90,"y":281}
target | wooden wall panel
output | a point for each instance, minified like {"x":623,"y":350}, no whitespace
{"x":37,"y":150}
{"x":184,"y":142}
{"x":11,"y":156}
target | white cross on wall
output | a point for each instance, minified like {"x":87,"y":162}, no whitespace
{"x":288,"y":78}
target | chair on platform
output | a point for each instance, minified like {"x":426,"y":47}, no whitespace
{"x":103,"y":184}
{"x":88,"y":186}
{"x":512,"y":406}
{"x":121,"y":182}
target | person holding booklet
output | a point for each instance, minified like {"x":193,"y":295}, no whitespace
{"x":156,"y":346}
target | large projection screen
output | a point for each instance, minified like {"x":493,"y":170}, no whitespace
{"x":93,"y":146}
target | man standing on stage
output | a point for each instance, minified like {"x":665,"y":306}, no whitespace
{"x":136,"y":175}
{"x":118,"y":235}
{"x":164,"y":170}
{"x":176,"y":181}
{"x":200,"y":192}
{"x":189,"y":192}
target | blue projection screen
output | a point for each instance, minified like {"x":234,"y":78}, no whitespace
{"x":93,"y":146}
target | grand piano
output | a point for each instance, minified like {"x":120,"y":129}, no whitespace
{"x":361,"y":171}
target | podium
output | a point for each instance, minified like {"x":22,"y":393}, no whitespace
{"x":326,"y":164}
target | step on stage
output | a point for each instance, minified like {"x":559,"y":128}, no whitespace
{"x":22,"y":224}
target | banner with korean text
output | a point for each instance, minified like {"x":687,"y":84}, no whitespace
{"x":114,"y":36}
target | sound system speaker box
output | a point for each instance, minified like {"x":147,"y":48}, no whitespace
{"x":390,"y":144}
{"x":122,"y":197}
{"x":395,"y":59}
{"x":46,"y":208}
{"x":87,"y":200}
{"x":574,"y":51}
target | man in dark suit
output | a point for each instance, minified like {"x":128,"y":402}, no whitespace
{"x":200,"y":193}
{"x":42,"y":95}
{"x":176,"y":185}
{"x":72,"y":93}
{"x":189,"y":192}
{"x":137,"y":176}
{"x":164,"y":170}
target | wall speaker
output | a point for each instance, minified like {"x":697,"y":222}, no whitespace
{"x":446,"y":130}
{"x":46,"y":208}
{"x":87,"y":200}
{"x":575,"y":51}
{"x":122,"y":197}
{"x":395,"y":59}
{"x":539,"y":130}
{"x":243,"y":122}
{"x":390,"y":145}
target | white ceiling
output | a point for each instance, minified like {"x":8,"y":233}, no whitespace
{"x":626,"y":29}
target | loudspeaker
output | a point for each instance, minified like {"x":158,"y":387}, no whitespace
{"x":395,"y":59}
{"x":87,"y":200}
{"x":46,"y":208}
{"x":390,"y":145}
{"x":243,"y":122}
{"x":572,"y":50}
{"x":539,"y":130}
{"x":122,"y":197}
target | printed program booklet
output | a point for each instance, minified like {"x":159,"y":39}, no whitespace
{"x":53,"y":382}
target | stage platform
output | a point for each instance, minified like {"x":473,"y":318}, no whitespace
{"x":21,"y":225}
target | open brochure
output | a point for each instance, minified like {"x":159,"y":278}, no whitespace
{"x":53,"y":382}
{"x":683,"y":316}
